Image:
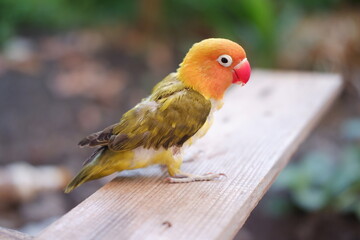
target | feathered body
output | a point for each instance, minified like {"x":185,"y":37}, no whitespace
{"x":178,"y":111}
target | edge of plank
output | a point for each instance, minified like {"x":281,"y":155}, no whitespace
{"x":9,"y":234}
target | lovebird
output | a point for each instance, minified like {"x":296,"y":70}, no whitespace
{"x":178,"y":112}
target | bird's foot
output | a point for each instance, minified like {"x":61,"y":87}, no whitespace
{"x":186,"y":177}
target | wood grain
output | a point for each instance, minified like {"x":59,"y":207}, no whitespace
{"x":253,"y":137}
{"x":7,"y":234}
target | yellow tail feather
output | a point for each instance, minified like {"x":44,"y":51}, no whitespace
{"x":83,"y":176}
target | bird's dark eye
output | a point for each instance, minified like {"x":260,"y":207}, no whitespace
{"x":225,"y":60}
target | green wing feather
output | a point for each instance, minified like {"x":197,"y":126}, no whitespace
{"x":171,"y":115}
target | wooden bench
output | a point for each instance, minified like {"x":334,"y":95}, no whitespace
{"x":253,"y":137}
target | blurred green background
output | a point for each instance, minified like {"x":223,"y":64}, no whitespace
{"x":68,"y":68}
{"x":261,"y":25}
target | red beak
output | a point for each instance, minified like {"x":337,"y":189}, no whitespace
{"x":241,"y":72}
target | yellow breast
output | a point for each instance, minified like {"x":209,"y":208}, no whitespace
{"x":215,"y":105}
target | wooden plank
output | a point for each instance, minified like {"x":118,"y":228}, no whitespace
{"x":7,"y":234}
{"x":253,"y":137}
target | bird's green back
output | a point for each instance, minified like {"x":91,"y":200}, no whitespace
{"x":171,"y":115}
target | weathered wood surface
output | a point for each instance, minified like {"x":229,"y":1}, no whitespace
{"x":253,"y":137}
{"x":7,"y":234}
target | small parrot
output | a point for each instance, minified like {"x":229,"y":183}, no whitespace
{"x":178,"y":112}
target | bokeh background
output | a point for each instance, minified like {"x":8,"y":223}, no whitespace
{"x":68,"y":68}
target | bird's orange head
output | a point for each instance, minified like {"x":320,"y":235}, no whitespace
{"x":212,"y":65}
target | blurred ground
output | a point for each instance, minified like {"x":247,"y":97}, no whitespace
{"x":56,"y":88}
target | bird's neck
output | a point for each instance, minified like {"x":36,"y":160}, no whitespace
{"x":204,"y":81}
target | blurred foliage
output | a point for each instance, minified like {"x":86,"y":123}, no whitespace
{"x":54,"y":15}
{"x":254,"y":21}
{"x":258,"y":23}
{"x":317,"y":5}
{"x":321,"y":183}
